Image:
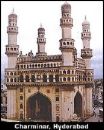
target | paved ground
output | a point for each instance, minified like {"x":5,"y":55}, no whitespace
{"x":96,"y":117}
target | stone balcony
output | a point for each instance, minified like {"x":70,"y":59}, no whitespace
{"x":86,"y":53}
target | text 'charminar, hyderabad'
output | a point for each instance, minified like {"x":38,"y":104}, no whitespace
{"x":45,"y":87}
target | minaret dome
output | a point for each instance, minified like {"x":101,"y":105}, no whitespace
{"x":66,"y":7}
{"x":85,"y":22}
{"x":41,"y":30}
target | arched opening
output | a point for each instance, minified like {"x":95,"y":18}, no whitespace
{"x":57,"y":78}
{"x":44,"y":78}
{"x":21,"y":78}
{"x":33,"y":78}
{"x":78,"y":104}
{"x":27,"y":78}
{"x":39,"y":108}
{"x":50,"y":78}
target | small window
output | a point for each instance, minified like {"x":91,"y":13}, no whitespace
{"x":47,"y":65}
{"x":57,"y":108}
{"x":6,"y":100}
{"x":7,"y":80}
{"x":21,"y":78}
{"x":21,"y":66}
{"x":57,"y":98}
{"x":54,"y":65}
{"x":48,"y":91}
{"x":64,"y":72}
{"x":14,"y":79}
{"x":21,"y":97}
{"x":21,"y":106}
{"x":68,"y":72}
{"x":64,"y":79}
{"x":57,"y":78}
{"x":57,"y":118}
{"x":64,"y":43}
{"x":32,"y":65}
{"x":27,"y":78}
{"x":51,"y":65}
{"x":44,"y":78}
{"x":24,"y":66}
{"x":50,"y":78}
{"x":35,"y":65}
{"x":72,"y":78}
{"x":38,"y":65}
{"x":41,"y":65}
{"x":11,"y":80}
{"x":32,"y":78}
{"x":21,"y":116}
{"x":44,"y":65}
{"x":21,"y":89}
{"x":67,"y":43}
{"x":68,"y":78}
{"x":11,"y":73}
{"x":57,"y":90}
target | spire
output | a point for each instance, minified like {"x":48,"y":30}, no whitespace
{"x":85,"y":17}
{"x":66,"y":2}
{"x":40,"y":25}
{"x":85,"y":22}
{"x":13,"y":11}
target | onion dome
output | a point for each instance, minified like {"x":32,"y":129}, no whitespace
{"x":41,"y":30}
{"x":66,"y":7}
{"x":85,"y":22}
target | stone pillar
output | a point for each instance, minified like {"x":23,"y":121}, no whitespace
{"x":47,"y":77}
{"x":66,"y":106}
{"x":89,"y":108}
{"x":53,"y":77}
{"x":11,"y":104}
{"x":53,"y":110}
{"x":62,"y":106}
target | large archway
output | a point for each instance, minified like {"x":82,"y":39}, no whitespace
{"x":39,"y":107}
{"x":78,"y":104}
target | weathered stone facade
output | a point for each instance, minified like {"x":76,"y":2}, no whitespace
{"x":49,"y":87}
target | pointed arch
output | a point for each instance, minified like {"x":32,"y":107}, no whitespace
{"x":78,"y":104}
{"x":39,"y":107}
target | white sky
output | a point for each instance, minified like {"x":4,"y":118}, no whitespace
{"x":32,"y":13}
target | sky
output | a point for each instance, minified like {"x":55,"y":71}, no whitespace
{"x":48,"y":13}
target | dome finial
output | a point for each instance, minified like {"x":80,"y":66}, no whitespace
{"x":40,"y":25}
{"x":13,"y":11}
{"x":85,"y":21}
{"x":85,"y":17}
{"x":66,"y":2}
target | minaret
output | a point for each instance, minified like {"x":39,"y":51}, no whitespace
{"x":12,"y":49}
{"x":66,"y":43}
{"x":86,"y":52}
{"x":41,"y":41}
